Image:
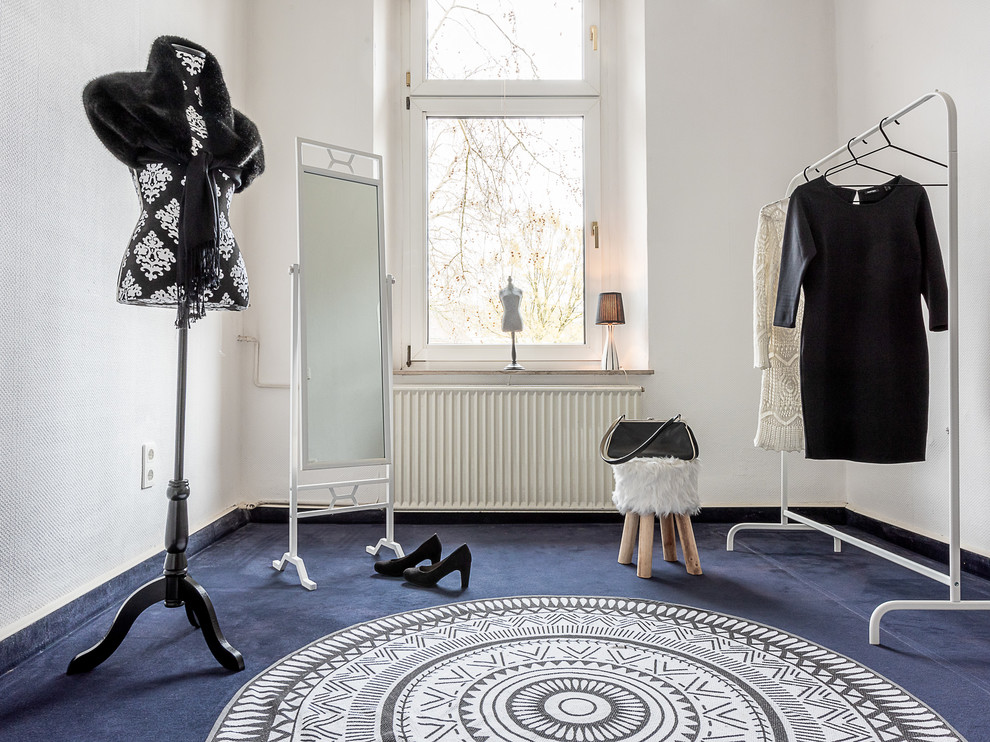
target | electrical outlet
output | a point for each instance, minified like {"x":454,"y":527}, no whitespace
{"x":149,"y":454}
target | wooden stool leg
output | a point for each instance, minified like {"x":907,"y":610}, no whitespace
{"x":629,"y":529}
{"x":691,"y":559}
{"x":644,"y":567}
{"x":667,"y":537}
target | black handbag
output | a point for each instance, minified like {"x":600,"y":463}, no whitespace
{"x":627,"y":439}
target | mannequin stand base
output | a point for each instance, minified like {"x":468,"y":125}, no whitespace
{"x":199,"y":611}
{"x":514,"y":367}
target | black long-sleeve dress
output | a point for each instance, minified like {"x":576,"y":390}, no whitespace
{"x":864,"y":354}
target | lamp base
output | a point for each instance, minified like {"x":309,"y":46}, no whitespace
{"x":610,"y":357}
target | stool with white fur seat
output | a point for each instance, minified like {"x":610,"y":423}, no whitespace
{"x":664,"y":487}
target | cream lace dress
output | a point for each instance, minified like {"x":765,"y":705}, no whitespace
{"x":777,"y":349}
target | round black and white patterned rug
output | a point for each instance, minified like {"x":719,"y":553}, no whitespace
{"x":571,"y":669}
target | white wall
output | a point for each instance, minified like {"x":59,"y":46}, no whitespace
{"x":890,"y":53}
{"x":716,"y":103}
{"x":624,"y":208}
{"x":310,"y":68}
{"x":85,"y":381}
{"x":740,"y":96}
{"x":736,"y":98}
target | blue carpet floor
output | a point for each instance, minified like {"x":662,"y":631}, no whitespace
{"x":163,"y":684}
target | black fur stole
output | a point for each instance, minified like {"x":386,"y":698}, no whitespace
{"x":140,"y":117}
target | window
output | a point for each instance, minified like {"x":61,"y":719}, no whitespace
{"x":504,"y":40}
{"x":503,"y":144}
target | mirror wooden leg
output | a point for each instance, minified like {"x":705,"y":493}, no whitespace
{"x":644,"y":566}
{"x":629,"y":529}
{"x":691,"y":559}
{"x":667,"y":538}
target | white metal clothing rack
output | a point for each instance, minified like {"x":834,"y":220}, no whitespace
{"x":789,"y":520}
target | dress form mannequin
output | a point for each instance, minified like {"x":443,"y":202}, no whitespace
{"x":188,"y":151}
{"x":512,"y":322}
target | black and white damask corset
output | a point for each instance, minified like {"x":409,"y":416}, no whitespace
{"x":149,"y":270}
{"x":183,"y":249}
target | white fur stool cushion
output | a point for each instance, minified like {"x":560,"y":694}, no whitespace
{"x":653,"y":485}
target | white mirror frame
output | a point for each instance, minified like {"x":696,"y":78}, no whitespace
{"x":346,"y":165}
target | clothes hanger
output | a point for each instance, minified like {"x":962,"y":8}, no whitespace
{"x":855,"y":162}
{"x":901,"y":149}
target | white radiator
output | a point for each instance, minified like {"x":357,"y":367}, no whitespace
{"x":505,"y":447}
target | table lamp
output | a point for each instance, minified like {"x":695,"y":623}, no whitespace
{"x":610,"y":313}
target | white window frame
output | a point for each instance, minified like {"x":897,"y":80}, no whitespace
{"x":509,"y":99}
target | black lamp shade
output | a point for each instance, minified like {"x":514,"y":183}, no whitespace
{"x":610,"y":311}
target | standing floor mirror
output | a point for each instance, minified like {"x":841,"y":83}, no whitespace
{"x":341,"y":388}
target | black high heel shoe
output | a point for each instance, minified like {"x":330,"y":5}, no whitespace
{"x":459,"y":560}
{"x":429,"y":549}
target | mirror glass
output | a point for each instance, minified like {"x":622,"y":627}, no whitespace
{"x":344,"y":366}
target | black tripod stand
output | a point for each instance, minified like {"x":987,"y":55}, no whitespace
{"x":175,"y":586}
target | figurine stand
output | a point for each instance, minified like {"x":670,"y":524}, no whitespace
{"x":514,"y":366}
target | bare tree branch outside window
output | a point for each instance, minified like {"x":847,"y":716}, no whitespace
{"x":506,"y":194}
{"x":504,"y":39}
